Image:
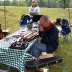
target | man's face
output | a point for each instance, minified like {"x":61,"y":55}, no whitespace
{"x":43,"y":22}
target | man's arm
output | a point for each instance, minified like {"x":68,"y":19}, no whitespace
{"x":53,"y":36}
{"x":41,"y":31}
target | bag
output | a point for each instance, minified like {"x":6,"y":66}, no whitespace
{"x":65,"y":27}
{"x":23,"y":20}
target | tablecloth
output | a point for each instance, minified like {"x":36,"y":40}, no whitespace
{"x":14,"y":57}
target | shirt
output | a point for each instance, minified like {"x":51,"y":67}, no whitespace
{"x":35,"y":10}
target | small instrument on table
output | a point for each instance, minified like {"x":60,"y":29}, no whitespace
{"x":23,"y":41}
{"x":31,"y":36}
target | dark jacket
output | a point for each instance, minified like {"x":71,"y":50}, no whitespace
{"x":50,"y":38}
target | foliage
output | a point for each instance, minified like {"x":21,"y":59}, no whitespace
{"x":14,"y":3}
{"x":7,"y":3}
{"x":20,"y":3}
{"x":41,"y":3}
{"x":29,"y":3}
{"x":64,"y":3}
{"x":1,"y":3}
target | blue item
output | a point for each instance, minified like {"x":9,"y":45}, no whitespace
{"x":23,"y":20}
{"x":65,"y":27}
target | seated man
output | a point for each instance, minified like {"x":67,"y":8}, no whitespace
{"x":49,"y":38}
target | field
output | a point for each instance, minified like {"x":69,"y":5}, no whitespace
{"x":13,"y":14}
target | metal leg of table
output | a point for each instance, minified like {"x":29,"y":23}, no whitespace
{"x":46,"y":70}
{"x":8,"y":70}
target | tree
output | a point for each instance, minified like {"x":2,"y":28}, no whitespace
{"x":29,"y":3}
{"x":21,"y":3}
{"x":14,"y":3}
{"x":70,"y":4}
{"x":64,"y":3}
{"x":67,"y":2}
{"x":54,"y":3}
{"x":1,"y":3}
{"x":7,"y":3}
{"x":49,"y":4}
{"x":42,"y":3}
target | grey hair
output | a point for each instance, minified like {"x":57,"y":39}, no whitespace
{"x":46,"y":18}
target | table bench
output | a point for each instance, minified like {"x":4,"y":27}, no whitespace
{"x":34,"y":65}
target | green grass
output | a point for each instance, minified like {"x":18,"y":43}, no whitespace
{"x":13,"y":14}
{"x":65,"y":51}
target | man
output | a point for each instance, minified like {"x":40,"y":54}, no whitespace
{"x":49,"y":38}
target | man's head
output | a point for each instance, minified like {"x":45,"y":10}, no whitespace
{"x":44,"y":21}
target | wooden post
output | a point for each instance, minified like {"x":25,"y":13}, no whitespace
{"x":5,"y":14}
{"x":1,"y":34}
{"x":0,"y":26}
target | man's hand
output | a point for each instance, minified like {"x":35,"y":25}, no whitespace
{"x":41,"y":28}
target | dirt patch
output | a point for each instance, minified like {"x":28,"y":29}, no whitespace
{"x":3,"y":10}
{"x":12,"y":15}
{"x":8,"y":13}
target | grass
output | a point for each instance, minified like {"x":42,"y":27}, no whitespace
{"x":64,"y":50}
{"x":13,"y":14}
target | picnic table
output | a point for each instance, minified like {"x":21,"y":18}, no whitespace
{"x":15,"y":57}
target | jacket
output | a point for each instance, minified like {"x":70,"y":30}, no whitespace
{"x":50,"y":38}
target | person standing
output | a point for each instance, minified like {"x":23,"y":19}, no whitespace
{"x":34,"y":9}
